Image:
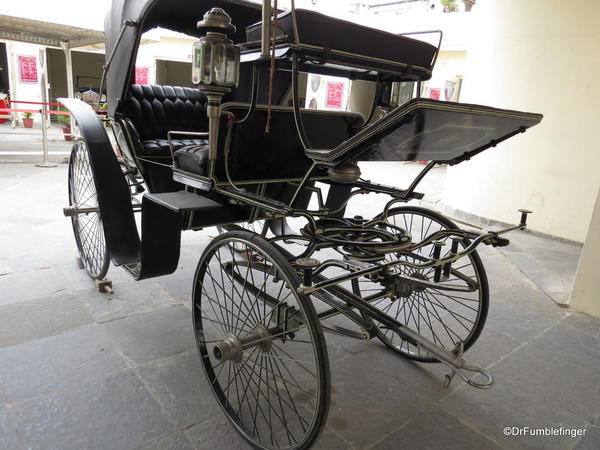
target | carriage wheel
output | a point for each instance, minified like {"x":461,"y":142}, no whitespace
{"x":258,"y":227}
{"x":86,"y":221}
{"x":260,"y":343}
{"x":445,"y":317}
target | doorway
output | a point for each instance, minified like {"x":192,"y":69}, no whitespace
{"x":173,"y":73}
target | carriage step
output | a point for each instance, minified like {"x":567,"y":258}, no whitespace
{"x":133,"y":269}
{"x":183,"y":201}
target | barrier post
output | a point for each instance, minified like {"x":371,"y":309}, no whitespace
{"x":44,"y":86}
{"x":69,"y":66}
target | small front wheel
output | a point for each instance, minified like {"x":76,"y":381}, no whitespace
{"x":260,"y":343}
{"x":451,"y":312}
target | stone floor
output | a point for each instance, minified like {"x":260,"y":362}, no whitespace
{"x":79,"y":369}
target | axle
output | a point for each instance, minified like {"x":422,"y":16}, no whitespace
{"x":71,"y":211}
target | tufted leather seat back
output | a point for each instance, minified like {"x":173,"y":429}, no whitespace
{"x":154,"y":110}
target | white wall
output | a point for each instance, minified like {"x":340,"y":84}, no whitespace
{"x":540,"y":56}
{"x":586,"y":291}
{"x":158,"y":46}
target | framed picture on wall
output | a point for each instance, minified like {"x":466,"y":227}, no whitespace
{"x":27,"y":69}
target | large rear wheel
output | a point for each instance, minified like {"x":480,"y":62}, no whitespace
{"x":260,"y":343}
{"x":85,"y":213}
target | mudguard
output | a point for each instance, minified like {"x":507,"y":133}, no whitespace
{"x":114,"y":199}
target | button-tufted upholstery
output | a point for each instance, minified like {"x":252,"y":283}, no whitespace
{"x":155,"y":110}
{"x":157,"y":147}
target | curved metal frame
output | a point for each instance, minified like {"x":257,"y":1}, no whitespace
{"x":114,"y":197}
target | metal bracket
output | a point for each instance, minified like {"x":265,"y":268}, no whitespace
{"x":459,"y":367}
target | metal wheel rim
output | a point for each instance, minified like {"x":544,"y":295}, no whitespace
{"x":257,"y":227}
{"x":88,"y":228}
{"x":283,"y":409}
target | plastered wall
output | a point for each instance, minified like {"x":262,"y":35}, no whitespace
{"x":540,"y":56}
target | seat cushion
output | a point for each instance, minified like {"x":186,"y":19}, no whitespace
{"x":330,"y":33}
{"x":160,"y":147}
{"x":193,"y":158}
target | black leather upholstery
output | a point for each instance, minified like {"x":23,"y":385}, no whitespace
{"x":155,"y":110}
{"x":193,"y":158}
{"x":159,"y":147}
{"x":339,"y":42}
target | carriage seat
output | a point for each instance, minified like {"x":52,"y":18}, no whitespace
{"x":193,"y":158}
{"x":154,"y":110}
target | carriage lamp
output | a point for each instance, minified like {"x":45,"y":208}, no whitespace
{"x":216,"y":58}
{"x":215,"y":71}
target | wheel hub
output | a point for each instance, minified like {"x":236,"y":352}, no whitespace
{"x":419,"y":276}
{"x":404,"y":289}
{"x":231,"y":348}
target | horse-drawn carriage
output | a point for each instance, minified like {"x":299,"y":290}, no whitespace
{"x":241,"y":152}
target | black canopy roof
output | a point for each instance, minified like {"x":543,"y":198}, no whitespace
{"x":175,"y":15}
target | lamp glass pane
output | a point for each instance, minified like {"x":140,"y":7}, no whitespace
{"x":233,"y":65}
{"x":220,"y":64}
{"x":207,"y":61}
{"x":196,"y":63}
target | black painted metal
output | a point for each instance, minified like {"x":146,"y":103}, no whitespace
{"x":183,"y":201}
{"x":431,"y":130}
{"x":337,"y":195}
{"x":418,"y":178}
{"x":161,"y":238}
{"x":114,"y":199}
{"x":296,"y":102}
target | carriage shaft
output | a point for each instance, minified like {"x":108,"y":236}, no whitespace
{"x":453,"y":360}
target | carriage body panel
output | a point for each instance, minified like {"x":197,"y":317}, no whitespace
{"x":430,"y":130}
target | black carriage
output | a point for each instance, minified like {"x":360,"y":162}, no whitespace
{"x":242,"y":153}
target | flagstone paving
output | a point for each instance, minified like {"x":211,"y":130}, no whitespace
{"x":80,"y":369}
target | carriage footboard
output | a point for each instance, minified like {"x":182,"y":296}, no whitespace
{"x":430,"y":130}
{"x":161,"y":231}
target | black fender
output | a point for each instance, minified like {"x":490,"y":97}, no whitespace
{"x":114,"y":198}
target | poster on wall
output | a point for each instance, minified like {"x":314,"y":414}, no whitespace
{"x":27,"y":69}
{"x":434,"y":93}
{"x":141,"y":75}
{"x":335,"y":94}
